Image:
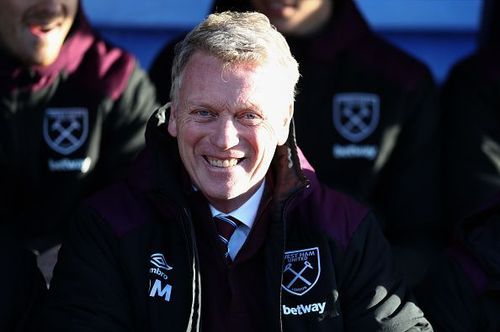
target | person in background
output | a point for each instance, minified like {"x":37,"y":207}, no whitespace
{"x":222,"y":224}
{"x":462,"y":290}
{"x":471,"y":122}
{"x":73,"y":110}
{"x":366,"y":117}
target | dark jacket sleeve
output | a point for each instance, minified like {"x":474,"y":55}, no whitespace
{"x":448,"y":298}
{"x":124,"y":126}
{"x":407,"y":197}
{"x":87,"y":291}
{"x":412,"y":173}
{"x":375,"y":298}
{"x":22,"y":287}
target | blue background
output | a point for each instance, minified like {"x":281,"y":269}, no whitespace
{"x":438,"y":32}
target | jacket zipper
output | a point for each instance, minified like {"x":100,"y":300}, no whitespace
{"x":195,"y":315}
{"x":286,"y":205}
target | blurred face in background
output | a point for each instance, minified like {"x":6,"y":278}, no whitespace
{"x":295,"y":17}
{"x":33,"y":31}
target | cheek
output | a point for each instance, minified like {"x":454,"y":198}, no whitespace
{"x":72,"y":6}
{"x":264,"y":141}
{"x":189,"y":135}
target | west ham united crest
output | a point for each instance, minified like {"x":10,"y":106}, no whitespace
{"x":65,"y":129}
{"x":301,"y":270}
{"x":356,"y":115}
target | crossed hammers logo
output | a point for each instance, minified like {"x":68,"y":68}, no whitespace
{"x":298,"y":275}
{"x":301,"y":270}
{"x":65,"y":129}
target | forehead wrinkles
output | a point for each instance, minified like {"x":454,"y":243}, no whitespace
{"x":238,"y":87}
{"x":230,"y":86}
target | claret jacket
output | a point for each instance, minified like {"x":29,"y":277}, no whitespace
{"x":134,"y":258}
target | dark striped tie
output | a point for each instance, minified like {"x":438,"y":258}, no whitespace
{"x":226,"y":225}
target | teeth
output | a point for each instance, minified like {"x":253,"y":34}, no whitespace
{"x":222,"y":163}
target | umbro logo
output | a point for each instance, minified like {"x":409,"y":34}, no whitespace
{"x":159,"y":261}
{"x":158,"y":269}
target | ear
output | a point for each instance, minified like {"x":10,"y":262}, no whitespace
{"x":285,"y":130}
{"x":172,"y":123}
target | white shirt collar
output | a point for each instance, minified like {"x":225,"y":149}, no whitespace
{"x":248,"y":211}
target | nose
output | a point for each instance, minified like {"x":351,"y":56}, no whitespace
{"x":226,"y":135}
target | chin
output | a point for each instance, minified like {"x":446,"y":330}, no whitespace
{"x":47,"y":59}
{"x":45,"y":55}
{"x":39,"y":60}
{"x":224,"y":195}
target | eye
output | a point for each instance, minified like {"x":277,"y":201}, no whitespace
{"x":203,"y":115}
{"x":250,"y":118}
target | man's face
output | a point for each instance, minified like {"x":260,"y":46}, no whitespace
{"x":295,"y":17}
{"x":33,"y":31}
{"x":228,"y":121}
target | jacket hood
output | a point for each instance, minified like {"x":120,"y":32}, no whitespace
{"x":15,"y":75}
{"x":164,"y":174}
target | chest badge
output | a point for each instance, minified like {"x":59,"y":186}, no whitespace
{"x":65,"y":129}
{"x":301,"y":270}
{"x":356,"y":115}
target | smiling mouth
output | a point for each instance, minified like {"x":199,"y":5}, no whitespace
{"x":44,"y":26}
{"x":42,"y":29}
{"x":44,"y":18}
{"x":223,"y":163}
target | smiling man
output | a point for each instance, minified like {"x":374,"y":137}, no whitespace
{"x":73,"y":111}
{"x":223,"y":225}
{"x":369,"y":102}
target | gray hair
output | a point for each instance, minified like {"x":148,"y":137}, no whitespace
{"x":233,"y":38}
